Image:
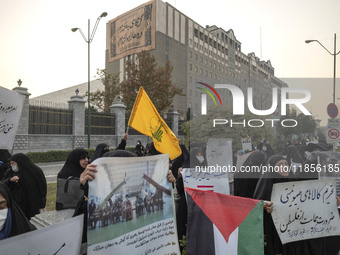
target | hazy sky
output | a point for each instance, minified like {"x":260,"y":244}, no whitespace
{"x":38,"y":47}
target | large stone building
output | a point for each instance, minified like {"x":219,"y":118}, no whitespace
{"x":198,"y":54}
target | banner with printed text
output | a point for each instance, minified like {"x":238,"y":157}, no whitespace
{"x":305,"y":210}
{"x":11,"y":104}
{"x":130,"y":207}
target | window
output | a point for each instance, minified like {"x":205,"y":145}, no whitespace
{"x":196,"y":32}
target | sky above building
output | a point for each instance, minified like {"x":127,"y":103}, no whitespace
{"x":38,"y":47}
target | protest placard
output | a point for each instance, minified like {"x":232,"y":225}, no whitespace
{"x":63,"y":238}
{"x":131,"y":207}
{"x":11,"y":104}
{"x":305,"y":210}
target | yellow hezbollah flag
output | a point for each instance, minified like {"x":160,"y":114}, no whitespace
{"x":146,"y":119}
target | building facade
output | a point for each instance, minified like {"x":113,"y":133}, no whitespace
{"x":208,"y":54}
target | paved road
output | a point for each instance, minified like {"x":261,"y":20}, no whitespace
{"x":51,"y":170}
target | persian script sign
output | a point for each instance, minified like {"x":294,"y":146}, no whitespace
{"x":305,"y":210}
{"x":133,"y":31}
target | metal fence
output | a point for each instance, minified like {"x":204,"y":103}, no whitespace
{"x":101,"y":123}
{"x":48,"y":120}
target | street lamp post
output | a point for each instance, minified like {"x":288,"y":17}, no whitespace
{"x":88,"y":40}
{"x":334,"y":55}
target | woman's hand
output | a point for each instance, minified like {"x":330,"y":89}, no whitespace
{"x":14,"y":179}
{"x":171,"y":177}
{"x":88,"y":174}
{"x":268,"y":206}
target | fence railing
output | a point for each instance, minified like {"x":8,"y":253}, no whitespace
{"x":46,"y":120}
{"x":101,"y":123}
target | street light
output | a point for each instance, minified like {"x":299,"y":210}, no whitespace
{"x":88,"y":40}
{"x":333,"y":54}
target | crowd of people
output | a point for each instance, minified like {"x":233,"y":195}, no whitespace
{"x":23,"y":189}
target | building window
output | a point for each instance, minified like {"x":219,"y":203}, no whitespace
{"x":190,"y":54}
{"x":196,"y":57}
{"x":196,"y":32}
{"x":196,"y":69}
{"x":190,"y":67}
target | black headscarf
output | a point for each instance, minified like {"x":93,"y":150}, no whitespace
{"x":245,"y":182}
{"x":99,"y":152}
{"x":32,"y":185}
{"x":293,"y":154}
{"x":19,"y":223}
{"x":265,"y":184}
{"x":72,"y":166}
{"x":179,"y":161}
{"x":192,"y":161}
{"x":4,"y":157}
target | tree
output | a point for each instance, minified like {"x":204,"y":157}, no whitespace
{"x":200,"y":128}
{"x":156,"y":81}
{"x":305,"y":124}
{"x":104,"y":98}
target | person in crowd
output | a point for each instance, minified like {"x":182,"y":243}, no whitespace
{"x":265,"y":147}
{"x":287,"y":143}
{"x":12,"y":219}
{"x":305,"y":173}
{"x":75,"y":164}
{"x":27,"y":183}
{"x":150,"y":150}
{"x":193,"y":159}
{"x":89,"y":174}
{"x":100,"y":150}
{"x":139,"y":149}
{"x":4,"y":162}
{"x":263,"y":191}
{"x":245,"y":182}
{"x":294,"y":158}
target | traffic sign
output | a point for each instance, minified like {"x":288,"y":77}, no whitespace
{"x":332,"y":110}
{"x":333,"y":133}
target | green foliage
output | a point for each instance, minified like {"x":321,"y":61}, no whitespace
{"x":183,"y":243}
{"x":104,"y":98}
{"x":200,"y":128}
{"x":306,"y":124}
{"x":56,"y":156}
{"x":156,"y":81}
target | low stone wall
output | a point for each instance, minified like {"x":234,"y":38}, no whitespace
{"x":43,"y":143}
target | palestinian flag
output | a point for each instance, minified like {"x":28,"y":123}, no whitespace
{"x":223,"y":224}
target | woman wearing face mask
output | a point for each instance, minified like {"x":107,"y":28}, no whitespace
{"x":27,"y":184}
{"x":12,"y":220}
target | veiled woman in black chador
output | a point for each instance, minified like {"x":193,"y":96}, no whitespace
{"x":75,"y":164}
{"x":263,"y":191}
{"x":27,"y":183}
{"x":16,"y":222}
{"x":245,"y":181}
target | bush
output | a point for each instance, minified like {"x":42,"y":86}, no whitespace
{"x":55,"y":156}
